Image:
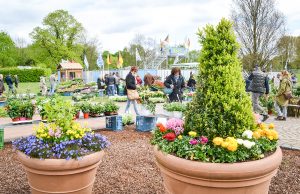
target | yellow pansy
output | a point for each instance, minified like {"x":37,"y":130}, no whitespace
{"x":218,"y":140}
{"x":256,"y":134}
{"x":271,"y":126}
{"x":225,"y":144}
{"x":192,"y":134}
{"x":232,"y":146}
{"x":179,"y":137}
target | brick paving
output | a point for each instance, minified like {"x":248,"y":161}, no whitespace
{"x":289,"y":130}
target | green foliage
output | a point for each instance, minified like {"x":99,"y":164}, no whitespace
{"x":8,"y":51}
{"x":127,"y":119}
{"x":85,"y":107}
{"x":97,"y":109}
{"x":19,"y":108}
{"x":26,"y":75}
{"x":111,"y":106}
{"x":3,"y":112}
{"x":58,"y":38}
{"x":174,"y":106}
{"x":221,"y":106}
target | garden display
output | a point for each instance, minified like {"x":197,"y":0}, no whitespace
{"x":175,"y":109}
{"x":221,"y":146}
{"x":127,"y":119}
{"x":75,"y":86}
{"x":61,"y":153}
{"x":156,"y":100}
{"x":20,"y":110}
{"x":118,"y":98}
{"x":85,"y":107}
{"x":97,"y":110}
{"x":82,"y":96}
{"x":42,"y":101}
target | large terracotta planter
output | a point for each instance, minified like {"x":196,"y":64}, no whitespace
{"x":60,"y":175}
{"x":184,"y":176}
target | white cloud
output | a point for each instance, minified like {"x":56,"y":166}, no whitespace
{"x":116,"y":22}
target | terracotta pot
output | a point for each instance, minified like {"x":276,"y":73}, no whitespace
{"x":60,"y":175}
{"x":183,"y":176}
{"x":15,"y":119}
{"x":86,"y":115}
{"x":22,"y":118}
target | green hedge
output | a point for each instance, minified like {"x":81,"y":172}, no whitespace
{"x":26,"y":75}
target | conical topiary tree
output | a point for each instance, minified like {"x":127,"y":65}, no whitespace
{"x":221,"y":107}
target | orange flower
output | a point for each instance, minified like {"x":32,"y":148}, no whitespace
{"x":161,"y":127}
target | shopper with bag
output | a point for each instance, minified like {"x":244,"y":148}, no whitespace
{"x":283,"y":96}
{"x":174,"y":85}
{"x":131,"y":89}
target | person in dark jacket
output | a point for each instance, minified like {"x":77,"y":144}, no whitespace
{"x":191,"y":83}
{"x":10,"y":83}
{"x":2,"y":87}
{"x":110,"y":82}
{"x":259,"y":86}
{"x":176,"y":82}
{"x":16,"y":79}
{"x":131,"y":84}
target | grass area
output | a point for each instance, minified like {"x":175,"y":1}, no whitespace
{"x":298,"y":78}
{"x":31,"y":87}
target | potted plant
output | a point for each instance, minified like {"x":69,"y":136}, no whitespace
{"x":77,"y":109}
{"x":97,"y":110}
{"x":13,"y":109}
{"x":61,"y":153}
{"x":85,"y":108}
{"x":175,"y":109}
{"x":219,"y":148}
{"x":127,"y":119}
{"x":110,"y":108}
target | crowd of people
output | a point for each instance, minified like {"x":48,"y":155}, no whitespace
{"x":258,"y":84}
{"x":12,"y":83}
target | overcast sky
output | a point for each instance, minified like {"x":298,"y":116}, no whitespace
{"x":115,"y":22}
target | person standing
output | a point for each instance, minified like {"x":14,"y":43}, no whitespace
{"x":110,"y":82}
{"x":191,"y":83}
{"x":10,"y":83}
{"x":131,"y":89}
{"x":2,"y":87}
{"x":283,"y":95}
{"x":259,"y":86}
{"x":176,"y":82}
{"x":43,"y":86}
{"x":117,"y":78}
{"x":16,"y":81}
{"x":52,"y":84}
{"x":139,"y":80}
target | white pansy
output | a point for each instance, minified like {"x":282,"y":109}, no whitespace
{"x":248,"y":134}
{"x":240,"y":141}
{"x":248,"y":144}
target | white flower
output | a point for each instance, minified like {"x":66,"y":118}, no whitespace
{"x":240,"y":141}
{"x":248,"y":144}
{"x":248,"y":134}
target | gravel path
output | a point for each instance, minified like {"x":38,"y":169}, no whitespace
{"x":129,"y":168}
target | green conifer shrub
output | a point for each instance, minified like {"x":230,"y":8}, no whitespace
{"x":221,"y":106}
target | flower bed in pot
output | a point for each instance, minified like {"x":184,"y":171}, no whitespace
{"x":20,"y":109}
{"x":220,"y":147}
{"x":62,"y":156}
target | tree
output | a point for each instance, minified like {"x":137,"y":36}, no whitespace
{"x":59,"y":37}
{"x":221,"y":106}
{"x":91,"y":47}
{"x":258,"y":25}
{"x":8,"y":51}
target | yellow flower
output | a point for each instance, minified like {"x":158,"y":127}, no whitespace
{"x":179,"y":137}
{"x":263,"y":126}
{"x":256,"y":134}
{"x":225,"y":144}
{"x":232,"y":146}
{"x":230,"y":139}
{"x":270,"y":137}
{"x":271,"y":126}
{"x":192,"y":134}
{"x":218,"y":140}
{"x":274,"y":134}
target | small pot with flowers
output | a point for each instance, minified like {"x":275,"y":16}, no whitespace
{"x":220,"y":147}
{"x":62,"y":156}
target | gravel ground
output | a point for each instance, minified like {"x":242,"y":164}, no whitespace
{"x":129,"y":168}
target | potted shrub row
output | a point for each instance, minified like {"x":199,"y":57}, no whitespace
{"x":20,"y":110}
{"x":220,"y":147}
{"x":62,"y":156}
{"x":96,"y":109}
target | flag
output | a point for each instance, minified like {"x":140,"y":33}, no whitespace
{"x":86,"y":63}
{"x":188,"y":43}
{"x":108,"y":59}
{"x":137,"y":55}
{"x":100,"y":61}
{"x":120,"y":61}
{"x":167,"y":39}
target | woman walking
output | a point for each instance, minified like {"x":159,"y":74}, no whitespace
{"x":175,"y":81}
{"x":131,"y":89}
{"x":2,"y":87}
{"x":283,"y":95}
